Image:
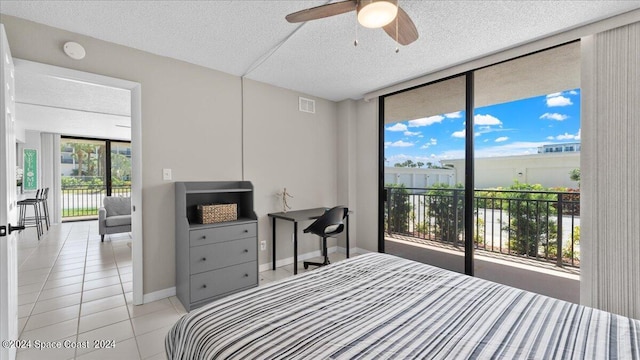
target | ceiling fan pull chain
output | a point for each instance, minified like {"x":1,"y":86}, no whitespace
{"x":355,"y":42}
{"x":397,"y":43}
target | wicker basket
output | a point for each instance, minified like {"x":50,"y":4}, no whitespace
{"x":215,"y":213}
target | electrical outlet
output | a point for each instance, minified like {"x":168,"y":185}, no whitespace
{"x":263,"y":245}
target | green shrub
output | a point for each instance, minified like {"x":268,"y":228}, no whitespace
{"x":530,"y":226}
{"x":446,"y":205}
{"x":398,"y":209}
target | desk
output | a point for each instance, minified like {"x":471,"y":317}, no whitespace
{"x":295,"y":217}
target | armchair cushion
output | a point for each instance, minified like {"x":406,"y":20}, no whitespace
{"x":118,"y":220}
{"x":117,"y":206}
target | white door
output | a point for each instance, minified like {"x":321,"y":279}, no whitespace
{"x":8,"y":208}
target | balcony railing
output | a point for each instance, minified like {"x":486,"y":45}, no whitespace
{"x":540,"y":225}
{"x":84,"y":201}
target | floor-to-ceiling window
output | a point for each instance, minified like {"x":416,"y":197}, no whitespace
{"x":91,"y":169}
{"x":424,"y":202}
{"x":518,"y":139}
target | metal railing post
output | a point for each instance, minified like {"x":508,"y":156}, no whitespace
{"x":559,"y":242}
{"x":455,"y":217}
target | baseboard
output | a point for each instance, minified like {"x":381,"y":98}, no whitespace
{"x":159,"y":295}
{"x":309,"y":255}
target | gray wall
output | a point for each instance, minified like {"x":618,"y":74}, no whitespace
{"x":284,"y":147}
{"x":192,"y":123}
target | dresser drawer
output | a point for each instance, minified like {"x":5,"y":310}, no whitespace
{"x":222,"y":233}
{"x":220,"y":255}
{"x":221,"y":281}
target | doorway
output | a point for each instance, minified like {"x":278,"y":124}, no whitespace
{"x":133,"y":90}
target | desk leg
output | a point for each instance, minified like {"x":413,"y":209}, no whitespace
{"x":347,"y":236}
{"x":295,"y":247}
{"x":273,"y":243}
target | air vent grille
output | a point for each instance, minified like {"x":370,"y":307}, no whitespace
{"x":307,"y":105}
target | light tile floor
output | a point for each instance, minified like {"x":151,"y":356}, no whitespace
{"x":72,"y":287}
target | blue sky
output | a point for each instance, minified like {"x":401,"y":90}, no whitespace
{"x":513,"y":128}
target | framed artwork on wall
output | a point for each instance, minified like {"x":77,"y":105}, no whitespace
{"x":30,"y":168}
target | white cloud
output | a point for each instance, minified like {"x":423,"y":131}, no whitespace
{"x":459,"y":134}
{"x":454,"y":115}
{"x":566,"y":136}
{"x":553,"y":101}
{"x":502,"y":139}
{"x":401,"y":143}
{"x":486,"y":120}
{"x":552,"y":95}
{"x":573,"y":92}
{"x":431,"y":142}
{"x":554,"y":116}
{"x":412,"y":133}
{"x":398,"y":127}
{"x":426,"y":121}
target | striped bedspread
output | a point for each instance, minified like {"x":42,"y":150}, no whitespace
{"x":384,"y":307}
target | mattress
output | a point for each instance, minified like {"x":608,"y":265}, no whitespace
{"x":384,"y":307}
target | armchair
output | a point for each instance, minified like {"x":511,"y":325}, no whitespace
{"x":114,"y":216}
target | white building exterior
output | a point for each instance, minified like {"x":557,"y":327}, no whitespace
{"x":419,"y":178}
{"x":546,"y":169}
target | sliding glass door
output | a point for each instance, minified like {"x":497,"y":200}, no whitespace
{"x":482,"y":170}
{"x":91,"y":169}
{"x":527,"y":171}
{"x":424,"y":195}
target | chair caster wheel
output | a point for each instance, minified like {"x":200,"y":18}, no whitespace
{"x":306,"y":266}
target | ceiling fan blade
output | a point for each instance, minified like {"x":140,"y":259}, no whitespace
{"x":407,"y":32}
{"x":322,"y":11}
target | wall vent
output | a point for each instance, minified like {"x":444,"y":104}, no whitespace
{"x":306,"y":105}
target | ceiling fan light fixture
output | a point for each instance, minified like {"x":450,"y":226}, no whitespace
{"x":376,"y":13}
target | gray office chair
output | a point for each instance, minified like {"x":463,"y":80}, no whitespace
{"x":328,"y":225}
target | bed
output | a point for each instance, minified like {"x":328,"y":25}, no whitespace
{"x":384,"y":307}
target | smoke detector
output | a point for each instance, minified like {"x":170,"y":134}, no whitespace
{"x":74,"y":50}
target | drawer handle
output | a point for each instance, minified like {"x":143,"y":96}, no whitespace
{"x":246,"y":250}
{"x":246,"y":230}
{"x":204,"y":237}
{"x":204,"y":259}
{"x":204,"y":286}
{"x":246,"y":275}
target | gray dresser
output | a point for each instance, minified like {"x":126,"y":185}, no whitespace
{"x":214,"y":260}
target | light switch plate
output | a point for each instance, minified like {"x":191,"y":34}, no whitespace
{"x":166,"y":174}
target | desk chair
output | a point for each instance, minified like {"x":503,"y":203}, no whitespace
{"x":328,"y":225}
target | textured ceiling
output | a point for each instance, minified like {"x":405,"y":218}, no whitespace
{"x":252,"y":39}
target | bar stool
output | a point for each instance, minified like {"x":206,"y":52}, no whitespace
{"x":44,"y":211}
{"x":34,"y":220}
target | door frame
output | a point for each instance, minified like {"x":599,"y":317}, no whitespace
{"x":136,"y":153}
{"x":9,"y":208}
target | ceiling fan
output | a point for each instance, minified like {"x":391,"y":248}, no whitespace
{"x":384,"y":14}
